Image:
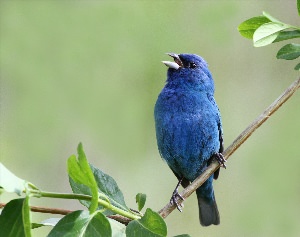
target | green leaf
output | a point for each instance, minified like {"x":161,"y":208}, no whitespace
{"x":82,"y":189}
{"x":81,"y":173}
{"x":48,"y":222}
{"x":271,"y":18}
{"x":286,"y":35}
{"x":109,"y":187}
{"x":11,"y":220}
{"x":248,"y":27}
{"x":118,"y":229}
{"x":297,"y":67}
{"x":36,"y":225}
{"x":140,"y":199}
{"x":81,"y":223}
{"x":150,"y":225}
{"x":106,"y":185}
{"x":9,"y":182}
{"x":289,"y":52}
{"x":26,"y":217}
{"x":298,"y":7}
{"x":267,"y":33}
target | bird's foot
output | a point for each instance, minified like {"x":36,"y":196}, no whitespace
{"x":175,"y":195}
{"x":174,"y":200}
{"x":220,"y":158}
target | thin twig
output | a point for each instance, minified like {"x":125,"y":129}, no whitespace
{"x":164,"y":212}
{"x":122,"y":219}
{"x":45,"y":210}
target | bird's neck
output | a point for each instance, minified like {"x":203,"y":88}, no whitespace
{"x":187,"y":87}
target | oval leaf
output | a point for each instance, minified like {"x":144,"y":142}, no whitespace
{"x":81,"y":223}
{"x":248,"y":27}
{"x":118,"y":229}
{"x":286,"y":35}
{"x":11,"y":220}
{"x":150,"y":225}
{"x":140,"y":199}
{"x":80,"y":172}
{"x":267,"y":33}
{"x":48,"y":222}
{"x":297,"y":67}
{"x":271,"y":18}
{"x":106,"y":185}
{"x":9,"y":182}
{"x":109,"y":187}
{"x":289,"y":52}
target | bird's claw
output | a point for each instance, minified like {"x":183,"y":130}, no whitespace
{"x":173,"y":200}
{"x":220,"y":158}
{"x":175,"y":194}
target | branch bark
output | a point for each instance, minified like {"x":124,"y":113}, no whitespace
{"x":122,"y":219}
{"x":45,"y":210}
{"x":164,"y":212}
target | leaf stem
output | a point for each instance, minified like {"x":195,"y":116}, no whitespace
{"x":164,"y":212}
{"x":101,"y":202}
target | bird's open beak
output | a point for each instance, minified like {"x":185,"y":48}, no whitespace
{"x":177,"y":62}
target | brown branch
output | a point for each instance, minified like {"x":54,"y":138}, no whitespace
{"x":122,"y":219}
{"x":45,"y":210}
{"x":164,"y":212}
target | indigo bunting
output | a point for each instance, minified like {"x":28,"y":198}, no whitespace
{"x":189,"y":128}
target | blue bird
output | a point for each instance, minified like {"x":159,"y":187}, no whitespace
{"x":189,"y":129}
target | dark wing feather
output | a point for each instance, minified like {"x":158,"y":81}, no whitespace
{"x":184,"y":182}
{"x":217,"y":172}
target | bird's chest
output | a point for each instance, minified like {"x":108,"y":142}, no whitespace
{"x":187,"y":132}
{"x":187,"y":110}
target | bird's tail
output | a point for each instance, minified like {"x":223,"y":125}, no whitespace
{"x":208,"y":210}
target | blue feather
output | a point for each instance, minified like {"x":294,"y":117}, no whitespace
{"x":188,"y":125}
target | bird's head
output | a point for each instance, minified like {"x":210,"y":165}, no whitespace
{"x":190,"y":70}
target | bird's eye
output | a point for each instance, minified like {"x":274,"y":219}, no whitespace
{"x":193,"y":65}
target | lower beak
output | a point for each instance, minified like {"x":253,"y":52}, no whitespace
{"x":171,"y":64}
{"x":177,"y":62}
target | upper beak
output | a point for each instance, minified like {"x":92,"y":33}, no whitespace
{"x":177,"y":62}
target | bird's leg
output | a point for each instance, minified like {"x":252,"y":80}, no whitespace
{"x":220,"y":158}
{"x":175,"y":195}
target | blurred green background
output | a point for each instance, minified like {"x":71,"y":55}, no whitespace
{"x":91,"y":71}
